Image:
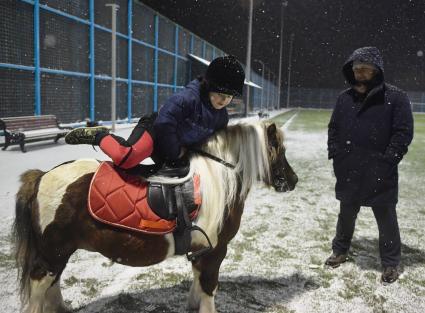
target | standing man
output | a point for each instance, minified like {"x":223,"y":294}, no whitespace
{"x":369,"y":132}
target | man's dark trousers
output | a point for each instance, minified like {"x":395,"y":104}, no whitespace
{"x":389,"y":234}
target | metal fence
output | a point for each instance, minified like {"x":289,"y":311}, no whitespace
{"x":417,"y":99}
{"x":326,"y":98}
{"x":55,"y":58}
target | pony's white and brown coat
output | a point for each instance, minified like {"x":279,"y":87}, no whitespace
{"x":59,"y":203}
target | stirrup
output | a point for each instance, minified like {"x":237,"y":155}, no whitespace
{"x":193,"y":255}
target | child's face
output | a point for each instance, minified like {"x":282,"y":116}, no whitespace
{"x":220,"y":100}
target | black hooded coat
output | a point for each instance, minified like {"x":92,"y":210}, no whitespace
{"x":368,"y":137}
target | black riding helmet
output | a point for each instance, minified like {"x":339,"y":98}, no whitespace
{"x":225,"y":75}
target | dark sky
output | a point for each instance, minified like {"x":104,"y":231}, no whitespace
{"x":325,"y":32}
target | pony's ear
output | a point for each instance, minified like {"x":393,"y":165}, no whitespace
{"x":271,"y":130}
{"x":272,"y":135}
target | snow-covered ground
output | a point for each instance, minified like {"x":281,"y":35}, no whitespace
{"x":274,"y":264}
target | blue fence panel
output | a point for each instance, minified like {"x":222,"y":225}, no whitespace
{"x":60,"y":61}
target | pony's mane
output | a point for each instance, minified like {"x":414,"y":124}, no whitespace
{"x":243,"y":145}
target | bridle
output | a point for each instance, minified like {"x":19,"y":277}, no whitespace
{"x":229,"y":165}
{"x":213,"y":157}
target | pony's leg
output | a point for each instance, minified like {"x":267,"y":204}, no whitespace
{"x":204,"y":286}
{"x":45,"y":294}
{"x":198,"y":299}
{"x":38,"y":288}
{"x":195,"y":290}
{"x":46,"y":270}
{"x":53,"y":302}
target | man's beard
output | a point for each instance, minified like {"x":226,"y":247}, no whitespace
{"x":361,"y":88}
{"x":371,"y":83}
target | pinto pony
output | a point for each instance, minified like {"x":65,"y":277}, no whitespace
{"x":52,"y":220}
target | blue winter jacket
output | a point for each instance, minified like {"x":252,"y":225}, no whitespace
{"x":186,"y":119}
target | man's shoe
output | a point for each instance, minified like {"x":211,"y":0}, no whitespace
{"x":85,"y":135}
{"x":390,"y":274}
{"x":336,"y":260}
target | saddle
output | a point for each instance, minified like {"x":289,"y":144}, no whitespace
{"x":124,"y":199}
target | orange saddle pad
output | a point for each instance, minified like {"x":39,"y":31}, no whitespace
{"x":120,"y":199}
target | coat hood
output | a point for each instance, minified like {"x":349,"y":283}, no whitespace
{"x":194,"y":87}
{"x":367,"y":55}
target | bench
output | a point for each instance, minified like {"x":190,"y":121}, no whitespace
{"x":23,"y":129}
{"x":262,"y":114}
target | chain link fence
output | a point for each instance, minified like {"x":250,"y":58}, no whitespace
{"x":326,"y":98}
{"x":56,"y":59}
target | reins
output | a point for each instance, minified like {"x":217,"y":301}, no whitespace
{"x":213,"y":157}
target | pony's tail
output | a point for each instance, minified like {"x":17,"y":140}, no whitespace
{"x":25,"y":238}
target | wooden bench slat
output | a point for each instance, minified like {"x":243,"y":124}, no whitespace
{"x":43,"y":132}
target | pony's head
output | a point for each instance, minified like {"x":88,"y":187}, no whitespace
{"x":257,"y":153}
{"x":282,"y":177}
